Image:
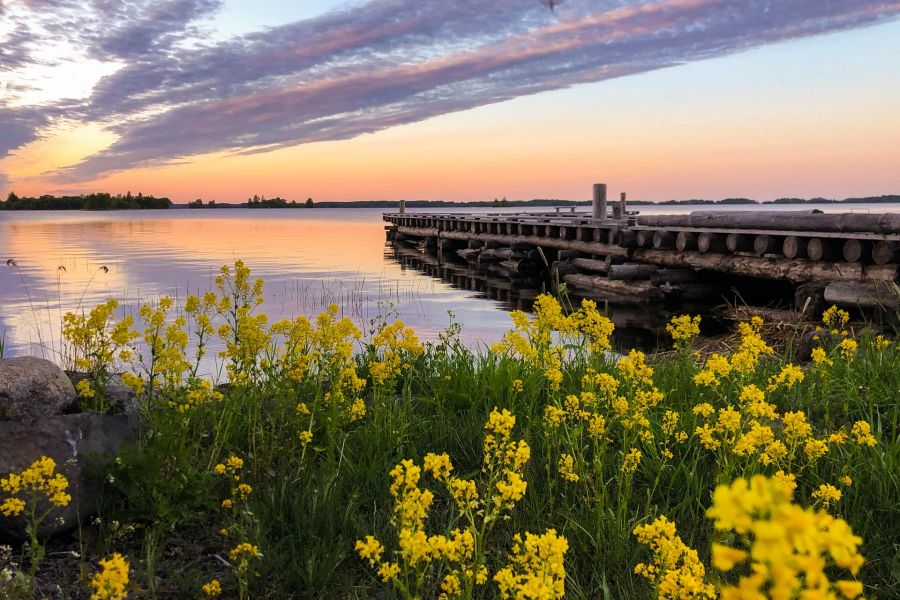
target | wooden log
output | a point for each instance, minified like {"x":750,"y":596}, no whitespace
{"x":494,"y":255}
{"x":766,"y":244}
{"x":568,"y":254}
{"x":492,"y":244}
{"x":561,"y":268}
{"x":474,"y":244}
{"x":809,"y":298}
{"x":522,"y":265}
{"x":866,"y":295}
{"x":794,"y":247}
{"x":598,"y":205}
{"x":855,"y":250}
{"x":821,"y":249}
{"x":631,"y":271}
{"x":592,"y":265}
{"x":738,"y":242}
{"x":663,"y":240}
{"x":545,"y":242}
{"x":627,"y":238}
{"x":673,"y":276}
{"x":806,"y":220}
{"x":685,"y":240}
{"x":885,"y":252}
{"x":711,"y":242}
{"x":469,"y":254}
{"x":614,"y":260}
{"x":889,"y":272}
{"x":798,"y":271}
{"x":693,"y":292}
{"x":619,"y":291}
{"x":644,"y":238}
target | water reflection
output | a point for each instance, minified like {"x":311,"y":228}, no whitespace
{"x":308,"y":259}
{"x":636,"y":327}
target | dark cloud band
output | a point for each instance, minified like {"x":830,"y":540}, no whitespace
{"x":391,"y":62}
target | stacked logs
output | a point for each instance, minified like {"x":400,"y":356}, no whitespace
{"x":651,"y":258}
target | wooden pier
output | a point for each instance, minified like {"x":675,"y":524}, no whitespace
{"x":850,"y":259}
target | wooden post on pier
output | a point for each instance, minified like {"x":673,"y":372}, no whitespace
{"x":622,"y":204}
{"x":599,"y":201}
{"x":403,"y":207}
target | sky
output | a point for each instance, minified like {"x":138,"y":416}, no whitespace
{"x":462,"y":100}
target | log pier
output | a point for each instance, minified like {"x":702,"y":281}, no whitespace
{"x":627,"y":258}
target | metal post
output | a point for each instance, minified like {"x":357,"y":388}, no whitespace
{"x":599,"y":201}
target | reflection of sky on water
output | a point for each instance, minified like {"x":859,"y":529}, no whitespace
{"x":307,"y":258}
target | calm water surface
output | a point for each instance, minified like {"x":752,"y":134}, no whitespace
{"x":308,"y":258}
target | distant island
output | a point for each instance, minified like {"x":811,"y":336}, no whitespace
{"x":99,"y":201}
{"x":104,"y":201}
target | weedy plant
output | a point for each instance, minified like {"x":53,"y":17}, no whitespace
{"x":337,"y":462}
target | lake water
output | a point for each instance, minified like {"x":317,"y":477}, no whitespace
{"x":308,"y":258}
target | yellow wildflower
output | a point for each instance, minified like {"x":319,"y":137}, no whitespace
{"x":212,"y":589}
{"x":369,"y":549}
{"x":567,"y":468}
{"x":631,"y":461}
{"x":111,"y":581}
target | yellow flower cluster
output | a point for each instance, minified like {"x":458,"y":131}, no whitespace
{"x":743,"y":361}
{"x":835,"y":319}
{"x":566,"y":468}
{"x":200,"y":392}
{"x":246,"y":335}
{"x":231,"y":469}
{"x":676,"y":571}
{"x":536,"y":570}
{"x":757,"y":432}
{"x":212,"y":589}
{"x":416,"y":549}
{"x":111,"y":582}
{"x":786,"y":551}
{"x":321,"y":353}
{"x":167,"y":344}
{"x":394,"y":345}
{"x":417,"y":552}
{"x":540,"y":341}
{"x":683,"y":329}
{"x":37,"y":482}
{"x":786,"y":378}
{"x":243,"y":554}
{"x":504,"y":459}
{"x":630,"y":462}
{"x":97,"y":344}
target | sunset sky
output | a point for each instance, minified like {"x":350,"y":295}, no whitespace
{"x":459,"y":100}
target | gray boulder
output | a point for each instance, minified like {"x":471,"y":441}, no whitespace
{"x":31,"y":388}
{"x":82,"y":446}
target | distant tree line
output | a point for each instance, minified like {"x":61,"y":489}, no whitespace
{"x":100,"y":201}
{"x":198,"y":203}
{"x":276,"y":202}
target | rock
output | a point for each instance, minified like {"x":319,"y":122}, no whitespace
{"x":119,"y":398}
{"x":81,"y":444}
{"x":31,"y":388}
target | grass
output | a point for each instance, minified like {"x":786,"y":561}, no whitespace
{"x":310,"y":502}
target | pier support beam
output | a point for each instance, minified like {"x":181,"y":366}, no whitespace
{"x":599,"y":202}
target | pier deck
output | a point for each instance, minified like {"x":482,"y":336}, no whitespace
{"x":629,"y":258}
